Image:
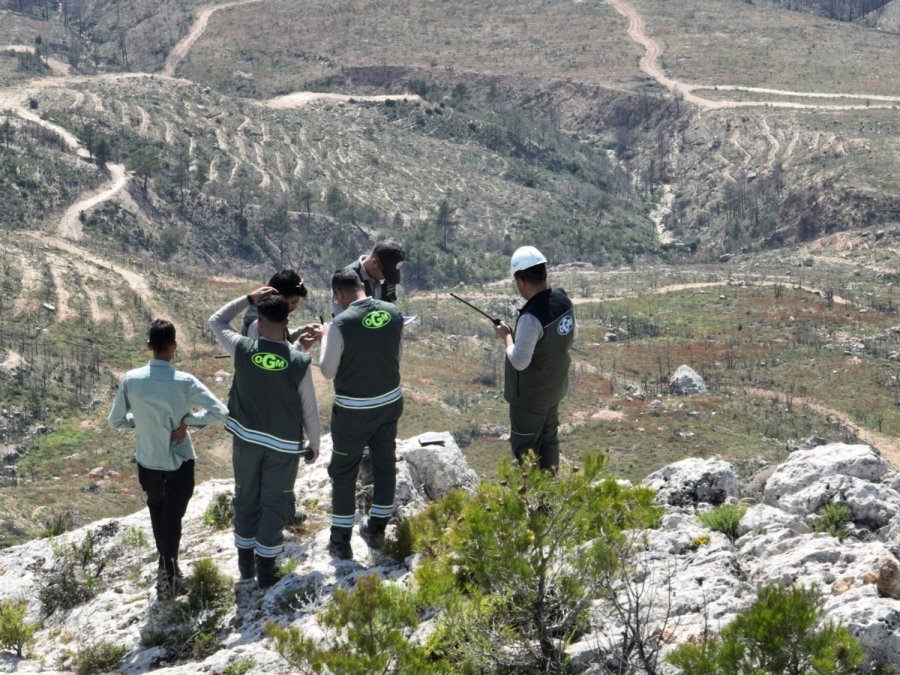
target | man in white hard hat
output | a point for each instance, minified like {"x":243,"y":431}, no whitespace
{"x":537,"y":359}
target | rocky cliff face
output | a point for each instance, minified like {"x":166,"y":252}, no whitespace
{"x":704,"y":579}
{"x":695,"y":578}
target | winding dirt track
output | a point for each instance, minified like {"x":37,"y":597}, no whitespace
{"x":648,"y":64}
{"x":301,"y":98}
{"x":888,"y":446}
{"x":70,"y":224}
{"x":180,"y":51}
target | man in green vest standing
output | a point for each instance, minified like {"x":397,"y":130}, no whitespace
{"x":537,"y":359}
{"x":271,"y":393}
{"x":361,"y":352}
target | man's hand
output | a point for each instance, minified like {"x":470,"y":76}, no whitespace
{"x":503,"y":332}
{"x":179,"y":433}
{"x":310,"y":334}
{"x":311,"y":455}
{"x":261,"y":293}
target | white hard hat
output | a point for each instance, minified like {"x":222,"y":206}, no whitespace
{"x":525,"y":257}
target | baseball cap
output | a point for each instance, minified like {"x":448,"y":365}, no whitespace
{"x":390,"y":255}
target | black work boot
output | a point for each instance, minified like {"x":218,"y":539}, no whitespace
{"x":247,"y":563}
{"x":265,"y":572}
{"x":339,"y":546}
{"x":170,"y":582}
{"x":372,"y":532}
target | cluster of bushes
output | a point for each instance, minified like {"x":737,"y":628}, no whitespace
{"x":77,"y":570}
{"x":506,"y":578}
{"x":189,"y":629}
{"x":509,"y":574}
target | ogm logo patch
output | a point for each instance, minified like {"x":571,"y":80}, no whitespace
{"x":267,"y":361}
{"x":565,"y":325}
{"x":376,"y":319}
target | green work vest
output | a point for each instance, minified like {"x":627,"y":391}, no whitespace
{"x":368,"y":375}
{"x":543,"y":383}
{"x":264,"y":405}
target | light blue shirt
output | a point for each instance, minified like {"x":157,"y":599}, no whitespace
{"x":154,"y":400}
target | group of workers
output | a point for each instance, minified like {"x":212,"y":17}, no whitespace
{"x":272,"y":409}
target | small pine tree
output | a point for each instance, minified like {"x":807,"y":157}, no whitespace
{"x":15,"y":632}
{"x":782,"y":632}
{"x":513,"y":601}
{"x":220,"y":512}
{"x":368,"y":624}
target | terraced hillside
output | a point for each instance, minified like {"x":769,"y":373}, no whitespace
{"x":313,"y":181}
{"x":591,"y":129}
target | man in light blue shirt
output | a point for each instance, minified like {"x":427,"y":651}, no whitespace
{"x":159,"y":402}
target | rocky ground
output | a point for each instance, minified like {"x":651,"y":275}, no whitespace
{"x":692,"y":578}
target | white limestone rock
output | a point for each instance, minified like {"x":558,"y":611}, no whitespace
{"x":805,"y":467}
{"x":873,"y":621}
{"x":846,"y":474}
{"x":765,"y":519}
{"x":687,"y":382}
{"x":437,"y":464}
{"x":694,"y":481}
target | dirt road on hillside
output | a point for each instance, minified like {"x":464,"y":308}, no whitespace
{"x":85,"y":259}
{"x":180,"y":51}
{"x":301,"y":98}
{"x":648,"y":63}
{"x":888,"y":446}
{"x":55,"y":65}
{"x":70,"y":224}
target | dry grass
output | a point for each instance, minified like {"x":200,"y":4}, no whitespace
{"x":249,"y":51}
{"x":725,"y":42}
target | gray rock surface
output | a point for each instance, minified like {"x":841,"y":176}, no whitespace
{"x":690,"y":579}
{"x":694,"y":481}
{"x":687,"y":382}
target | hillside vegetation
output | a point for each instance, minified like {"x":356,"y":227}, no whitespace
{"x":705,"y":205}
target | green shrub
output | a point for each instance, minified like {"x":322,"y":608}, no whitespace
{"x":207,"y":587}
{"x":134,"y":537}
{"x":832,"y":519}
{"x":780,"y":633}
{"x":239,"y":667}
{"x":58,"y":523}
{"x":368,"y":625}
{"x":400,"y":546}
{"x":15,"y":632}
{"x":100,"y":657}
{"x":512,"y":569}
{"x":220,"y":512}
{"x":76,"y":572}
{"x":189,"y":629}
{"x":725,"y":519}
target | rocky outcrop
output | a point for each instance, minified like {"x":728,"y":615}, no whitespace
{"x":694,"y":481}
{"x":687,"y":382}
{"x":703,"y":580}
{"x":689,"y":578}
{"x":846,"y":474}
{"x":126,"y":608}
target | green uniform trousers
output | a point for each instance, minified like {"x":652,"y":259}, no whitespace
{"x":351,"y":431}
{"x":263,"y":496}
{"x":537,"y":431}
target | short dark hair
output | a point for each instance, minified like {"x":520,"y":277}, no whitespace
{"x":288,"y":283}
{"x":346,"y":280}
{"x":274,"y":308}
{"x":534,"y":274}
{"x":161,"y":334}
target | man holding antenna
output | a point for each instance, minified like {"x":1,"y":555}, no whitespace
{"x":537,"y":359}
